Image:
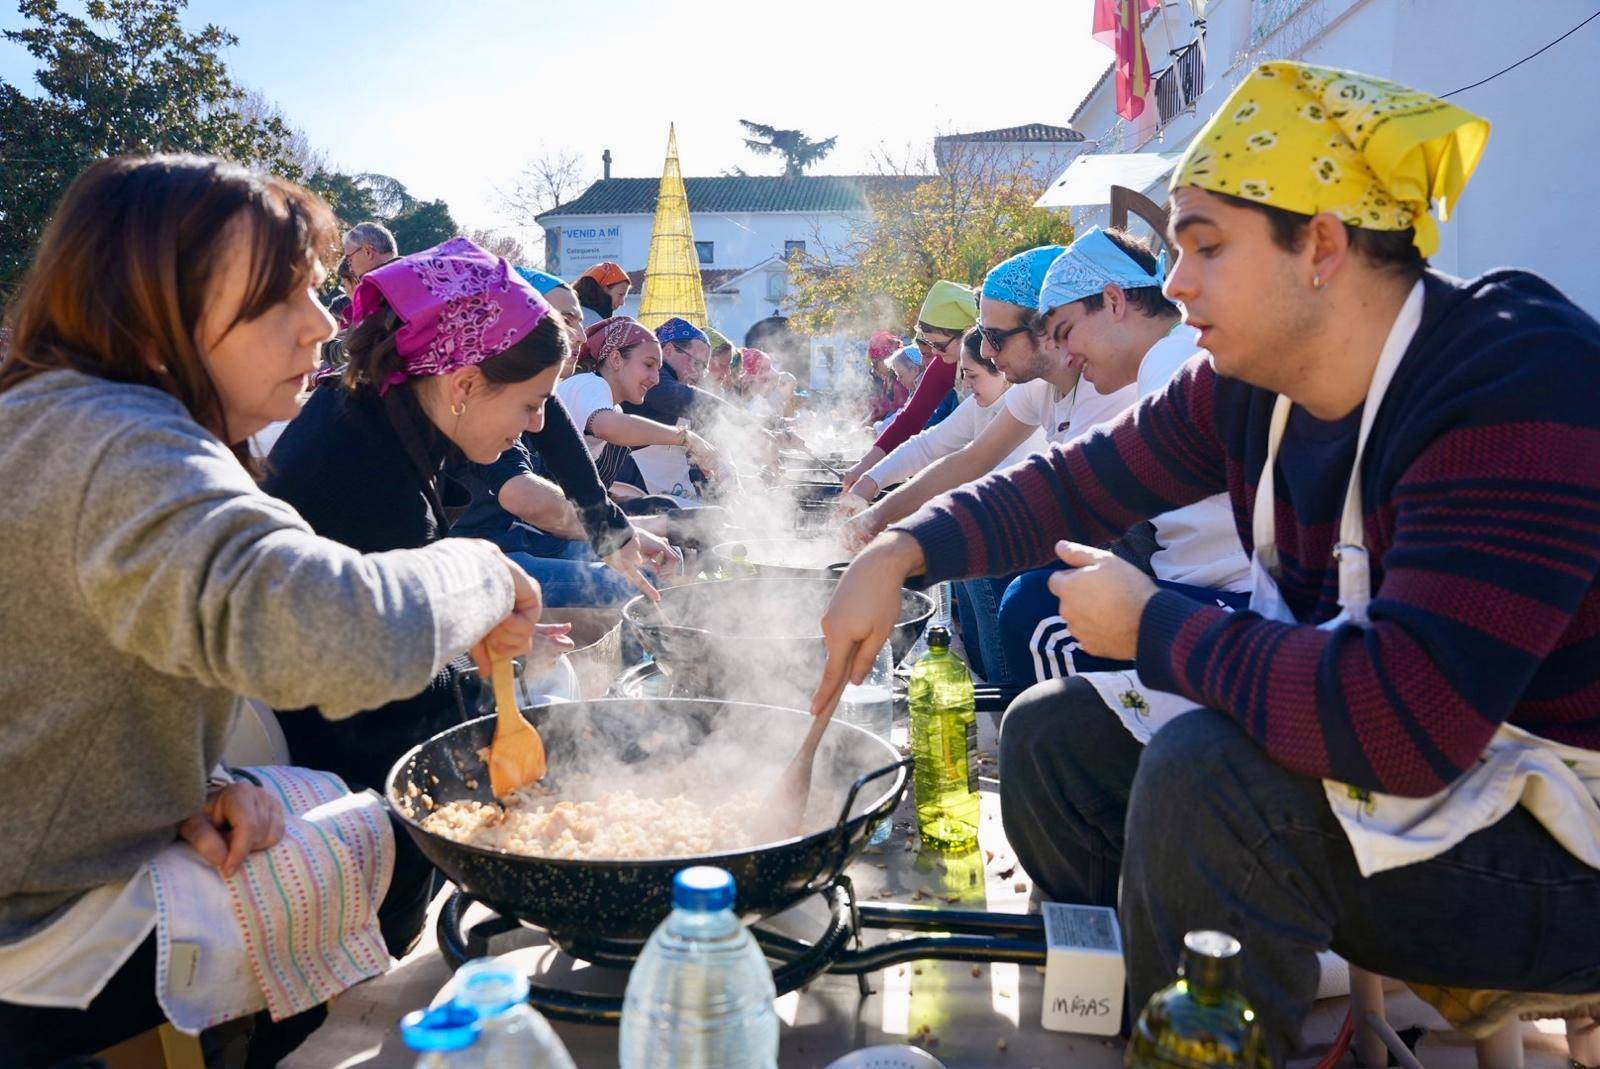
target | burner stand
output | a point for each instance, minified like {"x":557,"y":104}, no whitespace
{"x":946,"y":935}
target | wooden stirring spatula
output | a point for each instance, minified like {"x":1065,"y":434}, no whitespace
{"x":516,"y":757}
{"x":785,"y":807}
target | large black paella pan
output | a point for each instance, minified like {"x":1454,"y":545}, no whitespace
{"x":858,"y":779}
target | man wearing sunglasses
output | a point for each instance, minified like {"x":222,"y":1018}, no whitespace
{"x":1050,"y":396}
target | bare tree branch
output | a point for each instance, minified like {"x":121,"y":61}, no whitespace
{"x":545,"y":182}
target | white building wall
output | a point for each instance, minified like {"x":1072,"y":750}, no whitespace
{"x":740,"y":240}
{"x":1531,"y":201}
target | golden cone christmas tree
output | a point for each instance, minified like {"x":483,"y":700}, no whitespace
{"x":672,"y":275}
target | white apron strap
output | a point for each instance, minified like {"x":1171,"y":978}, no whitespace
{"x":1264,"y":520}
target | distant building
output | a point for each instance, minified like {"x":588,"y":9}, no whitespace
{"x":745,"y":228}
{"x":1525,"y":206}
{"x":1036,"y":147}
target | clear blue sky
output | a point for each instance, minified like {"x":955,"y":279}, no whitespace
{"x":452,"y":98}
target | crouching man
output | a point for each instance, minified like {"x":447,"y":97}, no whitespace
{"x":1395,"y":748}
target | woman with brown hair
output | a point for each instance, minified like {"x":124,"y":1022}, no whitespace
{"x":169,"y":314}
{"x":601,"y":291}
{"x":453,"y":356}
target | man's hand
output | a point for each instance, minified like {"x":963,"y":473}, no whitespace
{"x":854,"y":473}
{"x":861,"y":529}
{"x":628,"y":561}
{"x":512,"y":636}
{"x":550,"y":643}
{"x":237,"y":821}
{"x":847,"y":506}
{"x":1102,"y":600}
{"x":661,"y":554}
{"x":862,"y":612}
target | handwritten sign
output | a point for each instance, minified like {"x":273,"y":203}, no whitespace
{"x":1083,"y":972}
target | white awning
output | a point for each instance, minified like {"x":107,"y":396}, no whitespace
{"x":1089,"y":178}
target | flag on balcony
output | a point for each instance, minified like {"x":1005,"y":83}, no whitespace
{"x":1116,"y":25}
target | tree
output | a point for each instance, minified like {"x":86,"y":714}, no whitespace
{"x":955,"y":224}
{"x":798,"y":150}
{"x":127,"y":78}
{"x":422,"y":226}
{"x":545,"y":182}
{"x":352,"y":202}
{"x":390,"y":197}
{"x":498,"y":244}
{"x":297,"y":154}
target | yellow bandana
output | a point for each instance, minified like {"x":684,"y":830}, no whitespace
{"x":1315,"y":139}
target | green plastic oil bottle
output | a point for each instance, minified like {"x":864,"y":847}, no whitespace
{"x":1201,"y":1020}
{"x":737,"y":568}
{"x":944,"y":740}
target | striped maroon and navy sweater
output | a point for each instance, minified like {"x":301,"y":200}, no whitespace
{"x":1481,"y":493}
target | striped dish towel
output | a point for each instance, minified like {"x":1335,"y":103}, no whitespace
{"x":296,"y":925}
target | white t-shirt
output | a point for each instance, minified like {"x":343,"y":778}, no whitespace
{"x":954,"y":432}
{"x":584,"y":395}
{"x":1199,"y":543}
{"x":1064,"y":417}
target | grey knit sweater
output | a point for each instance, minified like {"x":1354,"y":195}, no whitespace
{"x":144,"y":579}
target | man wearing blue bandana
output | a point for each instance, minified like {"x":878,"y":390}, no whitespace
{"x":1051,"y":397}
{"x":1101,"y":308}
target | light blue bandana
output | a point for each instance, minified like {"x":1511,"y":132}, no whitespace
{"x":542,"y":281}
{"x":1088,"y":266}
{"x":1018,"y":280}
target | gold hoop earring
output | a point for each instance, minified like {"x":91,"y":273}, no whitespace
{"x":1316,"y":282}
{"x":459,"y":408}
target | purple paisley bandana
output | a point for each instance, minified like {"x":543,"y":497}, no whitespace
{"x":460,"y":306}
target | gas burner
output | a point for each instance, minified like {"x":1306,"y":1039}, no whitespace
{"x":466,"y":929}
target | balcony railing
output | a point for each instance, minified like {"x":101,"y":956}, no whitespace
{"x":1180,"y":85}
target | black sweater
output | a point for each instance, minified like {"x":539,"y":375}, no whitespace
{"x":343,"y":464}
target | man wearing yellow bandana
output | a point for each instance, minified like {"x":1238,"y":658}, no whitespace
{"x":1395,"y":752}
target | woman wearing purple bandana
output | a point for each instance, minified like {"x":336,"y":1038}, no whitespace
{"x":452,"y":355}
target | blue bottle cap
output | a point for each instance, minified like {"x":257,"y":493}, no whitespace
{"x":703,"y":889}
{"x":450,"y":1027}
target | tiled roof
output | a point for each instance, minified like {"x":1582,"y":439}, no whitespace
{"x":1034,"y":131}
{"x":739,"y":193}
{"x":1111,"y":66}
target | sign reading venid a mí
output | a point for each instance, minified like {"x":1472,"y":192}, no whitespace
{"x":585,"y":245}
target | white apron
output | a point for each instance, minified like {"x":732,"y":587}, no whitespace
{"x":1559,"y":785}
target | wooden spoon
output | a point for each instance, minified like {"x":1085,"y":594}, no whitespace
{"x":785,"y":807}
{"x":516,"y":757}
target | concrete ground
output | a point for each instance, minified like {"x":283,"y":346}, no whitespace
{"x":966,"y":1016}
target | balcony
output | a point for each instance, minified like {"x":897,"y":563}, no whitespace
{"x":1180,"y":85}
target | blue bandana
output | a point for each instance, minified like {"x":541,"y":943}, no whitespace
{"x":1018,"y":280}
{"x":676,"y":329}
{"x":543,"y":281}
{"x":913,"y":354}
{"x":1088,"y":266}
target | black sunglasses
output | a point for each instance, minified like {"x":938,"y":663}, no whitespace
{"x":997,"y":338}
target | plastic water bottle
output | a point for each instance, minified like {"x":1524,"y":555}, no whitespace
{"x":871,"y":705}
{"x":445,"y":1038}
{"x":1201,"y":1020}
{"x":944,"y":736}
{"x":514,"y":1036}
{"x":700,"y":996}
